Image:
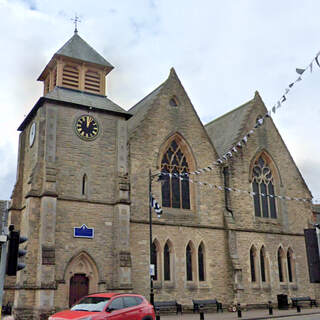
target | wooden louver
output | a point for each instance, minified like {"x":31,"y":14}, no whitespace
{"x":70,"y":77}
{"x":92,"y":81}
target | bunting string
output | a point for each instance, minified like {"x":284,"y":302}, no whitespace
{"x":155,"y":205}
{"x":221,"y":188}
{"x":243,"y":141}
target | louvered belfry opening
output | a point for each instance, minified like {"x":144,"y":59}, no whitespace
{"x":70,"y":77}
{"x":92,"y":81}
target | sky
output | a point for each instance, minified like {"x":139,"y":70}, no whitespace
{"x":222,"y":51}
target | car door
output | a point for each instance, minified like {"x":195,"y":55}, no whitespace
{"x":132,"y":310}
{"x":115,"y":309}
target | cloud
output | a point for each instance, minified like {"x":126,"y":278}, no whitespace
{"x":222,"y":52}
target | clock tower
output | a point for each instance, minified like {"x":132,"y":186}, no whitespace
{"x":71,"y":198}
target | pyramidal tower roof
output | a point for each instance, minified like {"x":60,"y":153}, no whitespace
{"x":77,"y":48}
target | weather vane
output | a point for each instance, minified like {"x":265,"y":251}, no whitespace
{"x":75,"y":21}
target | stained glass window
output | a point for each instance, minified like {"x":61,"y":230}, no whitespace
{"x":175,"y":191}
{"x":263,"y":187}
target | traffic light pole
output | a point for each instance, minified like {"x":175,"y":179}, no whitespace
{"x":4,"y":246}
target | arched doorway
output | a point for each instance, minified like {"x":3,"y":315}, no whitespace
{"x":79,"y":287}
{"x":81,"y":277}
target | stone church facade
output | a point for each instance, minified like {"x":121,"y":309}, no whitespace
{"x":84,"y":160}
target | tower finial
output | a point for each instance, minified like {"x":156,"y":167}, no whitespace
{"x":75,"y":21}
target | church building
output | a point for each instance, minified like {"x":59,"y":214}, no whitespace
{"x":231,"y":228}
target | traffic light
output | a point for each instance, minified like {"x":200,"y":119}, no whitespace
{"x":13,"y":265}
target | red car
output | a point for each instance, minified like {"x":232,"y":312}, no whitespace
{"x":110,"y":306}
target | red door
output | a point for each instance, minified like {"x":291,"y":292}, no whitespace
{"x":79,"y":287}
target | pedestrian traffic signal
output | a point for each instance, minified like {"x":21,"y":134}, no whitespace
{"x":13,"y":265}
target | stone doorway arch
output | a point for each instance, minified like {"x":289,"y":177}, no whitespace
{"x":82,"y":266}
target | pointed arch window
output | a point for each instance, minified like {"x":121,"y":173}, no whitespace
{"x":189,"y":262}
{"x":253,"y":264}
{"x":175,"y":191}
{"x":166,"y":262}
{"x":201,"y":269}
{"x":280,"y":256}
{"x":290,"y":265}
{"x":84,"y":184}
{"x":263,"y":264}
{"x":263,"y":187}
{"x":154,"y":260}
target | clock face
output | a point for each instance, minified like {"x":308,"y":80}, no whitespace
{"x":32,"y":134}
{"x":87,"y":127}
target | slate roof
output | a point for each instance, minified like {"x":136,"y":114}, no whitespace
{"x":77,"y":48}
{"x":140,"y":109}
{"x":224,"y":131}
{"x":76,"y":97}
{"x":84,"y":99}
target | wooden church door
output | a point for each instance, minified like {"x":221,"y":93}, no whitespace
{"x":79,"y":287}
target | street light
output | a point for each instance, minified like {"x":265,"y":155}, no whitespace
{"x":155,"y":205}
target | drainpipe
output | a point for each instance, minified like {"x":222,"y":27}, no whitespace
{"x":226,"y":192}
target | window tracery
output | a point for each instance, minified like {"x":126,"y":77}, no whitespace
{"x":263,"y":187}
{"x":175,"y":191}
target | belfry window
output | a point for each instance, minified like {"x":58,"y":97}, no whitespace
{"x":175,"y":186}
{"x":263,"y":187}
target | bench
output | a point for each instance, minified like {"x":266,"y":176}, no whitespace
{"x":296,"y":300}
{"x":201,"y":304}
{"x":168,"y":306}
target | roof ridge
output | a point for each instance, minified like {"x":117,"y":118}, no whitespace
{"x":228,"y":113}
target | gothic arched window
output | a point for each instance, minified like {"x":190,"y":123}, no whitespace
{"x":154,"y":260}
{"x":280,"y":256}
{"x":175,"y":191}
{"x":263,"y":264}
{"x":189,"y":262}
{"x":166,"y":262}
{"x":290,"y":265}
{"x":253,"y":264}
{"x":263,"y":187}
{"x":201,"y":262}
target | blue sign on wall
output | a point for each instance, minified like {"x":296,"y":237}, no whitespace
{"x":83,"y":232}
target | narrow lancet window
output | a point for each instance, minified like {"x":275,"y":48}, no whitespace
{"x":84,"y":185}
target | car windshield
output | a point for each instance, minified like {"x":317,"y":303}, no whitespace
{"x":91,"y":304}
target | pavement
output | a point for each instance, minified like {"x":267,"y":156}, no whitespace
{"x":291,"y":313}
{"x":249,"y":315}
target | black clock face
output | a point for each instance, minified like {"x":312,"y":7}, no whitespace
{"x":86,"y":127}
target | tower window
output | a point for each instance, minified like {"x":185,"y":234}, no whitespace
{"x":92,"y":81}
{"x":70,"y":77}
{"x":84,"y":185}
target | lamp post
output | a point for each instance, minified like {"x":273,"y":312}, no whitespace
{"x":150,"y":235}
